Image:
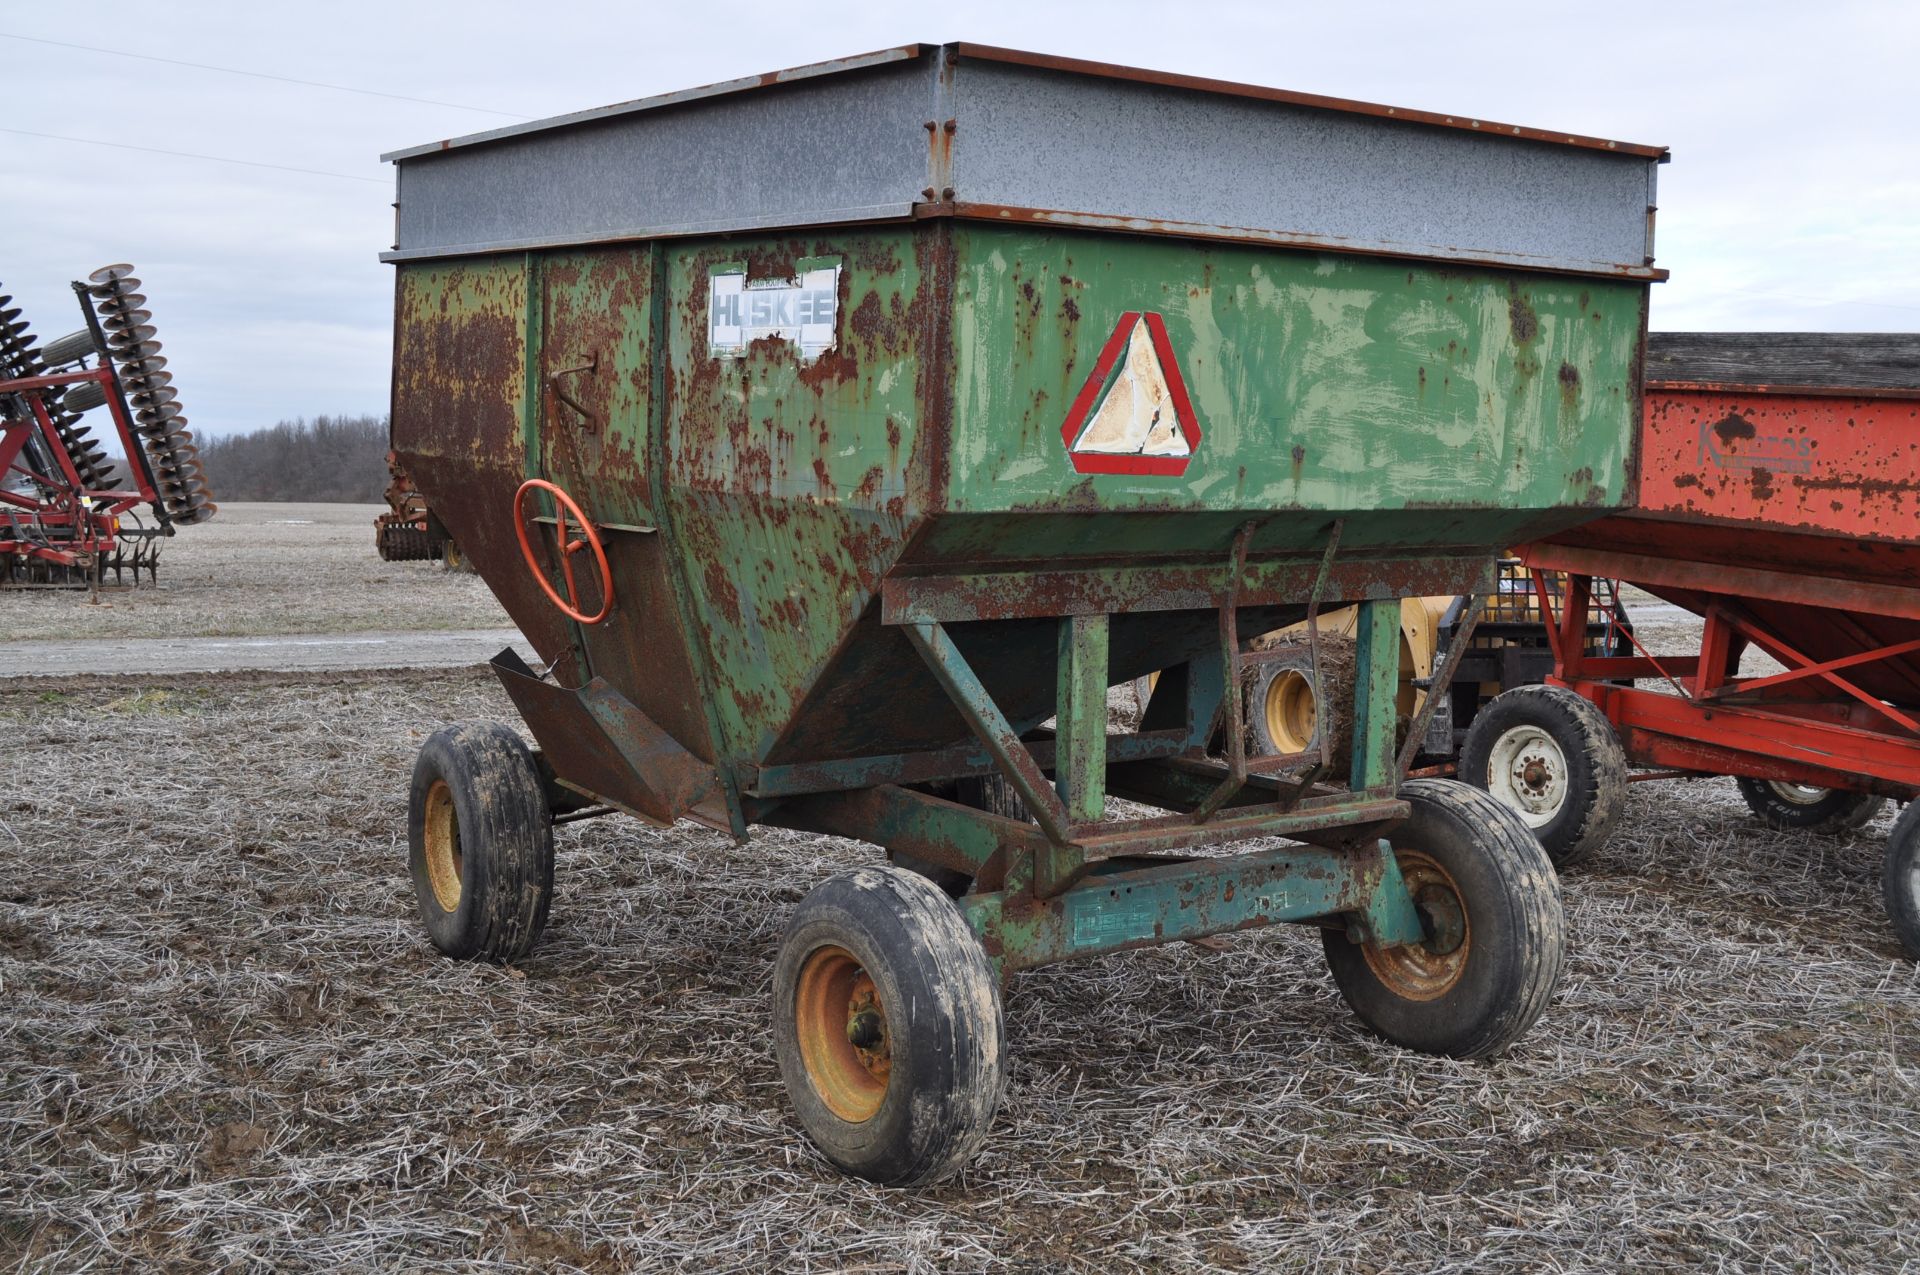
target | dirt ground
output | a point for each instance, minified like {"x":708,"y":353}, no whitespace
{"x":225,"y":1044}
{"x":265,"y":568}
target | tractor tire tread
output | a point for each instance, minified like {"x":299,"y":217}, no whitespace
{"x":1596,"y":761}
{"x":946,"y":1088}
{"x":1515,"y":986}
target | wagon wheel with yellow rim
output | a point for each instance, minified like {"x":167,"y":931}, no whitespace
{"x":887,"y":1027}
{"x":480,"y":842}
{"x":1494,"y":931}
{"x":1288,"y":707}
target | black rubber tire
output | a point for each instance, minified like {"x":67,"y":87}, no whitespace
{"x":1837,"y":812}
{"x":84,"y":397}
{"x":1900,"y":879}
{"x":1332,"y":690}
{"x":502,"y":843}
{"x":991,"y":793}
{"x":944,"y":1028}
{"x":1595,"y":779}
{"x":1515,"y":926}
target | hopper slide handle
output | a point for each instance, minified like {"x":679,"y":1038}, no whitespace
{"x":589,"y":539}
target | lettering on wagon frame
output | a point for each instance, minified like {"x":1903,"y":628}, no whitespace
{"x":804,"y":310}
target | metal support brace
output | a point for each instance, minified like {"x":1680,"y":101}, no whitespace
{"x":1235,"y":697}
{"x":1080,"y":754}
{"x":1206,"y":690}
{"x":990,"y":726}
{"x":1313,"y":640}
{"x":1440,"y":681}
{"x":1389,"y":915}
{"x":1375,"y":689}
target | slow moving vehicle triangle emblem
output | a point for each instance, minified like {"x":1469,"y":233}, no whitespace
{"x":1133,"y":415}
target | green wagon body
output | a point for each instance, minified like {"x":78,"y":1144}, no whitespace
{"x":1442,"y":412}
{"x":888,"y":476}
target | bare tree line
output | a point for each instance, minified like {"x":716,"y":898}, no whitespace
{"x":330,"y":458}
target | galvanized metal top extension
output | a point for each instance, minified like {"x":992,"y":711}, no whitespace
{"x":970,"y":131}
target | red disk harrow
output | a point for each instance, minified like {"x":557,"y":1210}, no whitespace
{"x":68,"y":515}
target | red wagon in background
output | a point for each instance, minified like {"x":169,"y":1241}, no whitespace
{"x":1780,"y":502}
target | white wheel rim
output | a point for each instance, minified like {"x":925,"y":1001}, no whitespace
{"x":1798,"y":794}
{"x":1527,"y":771}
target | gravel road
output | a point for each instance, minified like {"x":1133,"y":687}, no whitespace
{"x":286,"y":653}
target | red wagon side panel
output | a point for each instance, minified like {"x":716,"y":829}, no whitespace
{"x":1787,"y":514}
{"x":1799,"y":463}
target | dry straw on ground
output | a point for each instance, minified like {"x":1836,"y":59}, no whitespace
{"x":225,"y":1045}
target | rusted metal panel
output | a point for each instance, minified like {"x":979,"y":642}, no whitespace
{"x":594,"y":371}
{"x":792,"y":476}
{"x":792,"y":483}
{"x":459,"y":391}
{"x":1800,"y":503}
{"x":1321,"y":385}
{"x":1810,"y":463}
{"x":599,"y":743}
{"x":1169,"y":585}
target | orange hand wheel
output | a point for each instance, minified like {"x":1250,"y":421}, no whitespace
{"x":589,"y":539}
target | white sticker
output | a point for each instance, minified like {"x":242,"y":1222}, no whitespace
{"x":804,"y":311}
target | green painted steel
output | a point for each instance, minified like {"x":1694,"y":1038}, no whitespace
{"x":1376,"y":684}
{"x":1439,"y":411}
{"x":1165,"y":904}
{"x":953,"y":763}
{"x":1387,"y":914}
{"x":1320,"y":382}
{"x":990,"y":726}
{"x":1080,"y":763}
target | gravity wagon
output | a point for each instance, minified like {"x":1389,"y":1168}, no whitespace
{"x":838,"y":437}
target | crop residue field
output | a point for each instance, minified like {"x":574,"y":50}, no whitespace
{"x":225,"y":1044}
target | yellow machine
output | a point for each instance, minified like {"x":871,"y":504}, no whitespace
{"x":1283,"y":704}
{"x":1509,"y":648}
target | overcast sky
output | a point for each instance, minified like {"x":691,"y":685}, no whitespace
{"x":1792,"y":202}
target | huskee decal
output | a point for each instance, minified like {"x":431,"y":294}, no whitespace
{"x":1133,"y":416}
{"x":804,"y":310}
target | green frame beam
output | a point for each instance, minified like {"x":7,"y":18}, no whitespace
{"x":1192,"y":899}
{"x":1080,"y":755}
